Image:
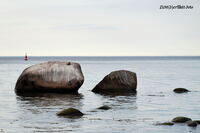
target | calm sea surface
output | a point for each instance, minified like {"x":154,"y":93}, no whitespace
{"x":154,"y":102}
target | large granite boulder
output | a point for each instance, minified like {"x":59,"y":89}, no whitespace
{"x":53,"y":76}
{"x":119,"y":82}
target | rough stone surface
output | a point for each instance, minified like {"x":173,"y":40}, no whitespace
{"x":121,"y":81}
{"x":181,"y":119}
{"x":192,"y":123}
{"x":180,"y":90}
{"x":70,"y":112}
{"x":63,"y":77}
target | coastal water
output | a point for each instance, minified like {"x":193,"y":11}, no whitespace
{"x":154,"y":102}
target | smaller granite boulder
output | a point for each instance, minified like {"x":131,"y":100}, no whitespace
{"x":105,"y":107}
{"x":70,"y":112}
{"x":192,"y":123}
{"x":180,"y":90}
{"x":119,"y":82}
{"x":181,"y":119}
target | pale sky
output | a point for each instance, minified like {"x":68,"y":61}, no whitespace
{"x":98,"y":28}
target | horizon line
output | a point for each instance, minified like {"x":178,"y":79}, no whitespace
{"x":102,"y":56}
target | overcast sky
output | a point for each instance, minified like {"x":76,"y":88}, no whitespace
{"x":98,"y":27}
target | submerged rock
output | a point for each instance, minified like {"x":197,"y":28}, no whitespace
{"x":70,"y":112}
{"x":166,"y":123}
{"x":192,"y":123}
{"x":180,"y":90}
{"x":62,"y":77}
{"x":105,"y":107}
{"x":181,"y":119}
{"x":121,"y":81}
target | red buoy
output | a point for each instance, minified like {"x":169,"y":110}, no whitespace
{"x":25,"y":57}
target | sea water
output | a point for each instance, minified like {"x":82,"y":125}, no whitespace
{"x":155,"y":101}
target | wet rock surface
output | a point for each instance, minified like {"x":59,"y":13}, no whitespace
{"x":117,"y":82}
{"x":59,"y":77}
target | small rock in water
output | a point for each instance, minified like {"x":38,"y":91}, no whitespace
{"x":166,"y":123}
{"x":181,"y":119}
{"x":180,"y":90}
{"x":70,"y":112}
{"x":197,"y":121}
{"x":105,"y":107}
{"x":192,"y":123}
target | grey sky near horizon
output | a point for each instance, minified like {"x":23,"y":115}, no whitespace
{"x":98,"y":28}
